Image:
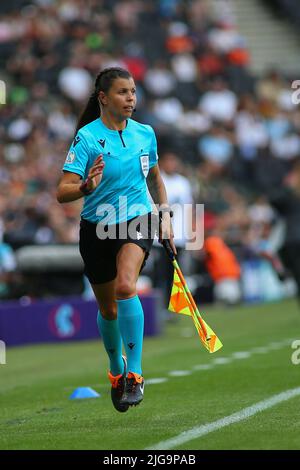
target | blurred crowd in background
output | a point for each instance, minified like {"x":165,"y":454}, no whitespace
{"x":234,"y":136}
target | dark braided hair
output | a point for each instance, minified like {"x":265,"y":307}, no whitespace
{"x":103,"y":83}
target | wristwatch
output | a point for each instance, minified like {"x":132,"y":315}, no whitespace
{"x":84,"y":189}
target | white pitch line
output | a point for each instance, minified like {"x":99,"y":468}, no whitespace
{"x":277,"y":345}
{"x":260,"y":350}
{"x":179,"y":373}
{"x":245,"y":413}
{"x":221,"y":360}
{"x":241,"y":354}
{"x":154,"y":381}
{"x":202,"y":366}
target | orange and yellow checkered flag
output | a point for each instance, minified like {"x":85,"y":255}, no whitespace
{"x":181,"y":301}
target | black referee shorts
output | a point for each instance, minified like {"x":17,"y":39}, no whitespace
{"x":99,"y":255}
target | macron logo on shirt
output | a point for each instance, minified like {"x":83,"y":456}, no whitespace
{"x":76,"y":141}
{"x":102,"y":142}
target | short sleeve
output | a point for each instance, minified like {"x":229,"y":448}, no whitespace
{"x":78,"y":156}
{"x":153,"y":155}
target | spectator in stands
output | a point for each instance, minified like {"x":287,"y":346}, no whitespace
{"x":219,"y":103}
{"x":286,"y":201}
{"x":224,"y":269}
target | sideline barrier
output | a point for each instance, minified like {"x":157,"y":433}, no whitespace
{"x":64,"y":319}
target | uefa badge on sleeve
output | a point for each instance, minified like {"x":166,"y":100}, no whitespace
{"x":70,"y":157}
{"x":145,"y":164}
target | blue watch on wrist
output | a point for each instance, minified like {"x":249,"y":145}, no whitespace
{"x":84,"y":189}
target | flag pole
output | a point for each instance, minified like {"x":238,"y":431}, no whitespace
{"x":171,"y":254}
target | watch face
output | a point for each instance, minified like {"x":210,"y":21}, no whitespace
{"x":85,"y":190}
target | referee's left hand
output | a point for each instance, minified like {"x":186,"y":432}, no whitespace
{"x":166,"y":231}
{"x":96,"y":172}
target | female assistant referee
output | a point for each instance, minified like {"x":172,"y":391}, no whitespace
{"x":110,"y":163}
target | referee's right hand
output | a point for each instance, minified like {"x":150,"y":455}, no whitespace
{"x":95,"y":174}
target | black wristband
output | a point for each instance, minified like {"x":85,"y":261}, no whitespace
{"x":84,"y":189}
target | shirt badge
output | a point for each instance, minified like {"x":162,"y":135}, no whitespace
{"x":70,"y":157}
{"x":144,"y":159}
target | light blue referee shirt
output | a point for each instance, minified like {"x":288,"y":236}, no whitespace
{"x":128,"y":155}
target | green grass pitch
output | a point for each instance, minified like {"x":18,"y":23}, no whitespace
{"x":36,"y":383}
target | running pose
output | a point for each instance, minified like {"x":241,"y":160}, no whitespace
{"x":111,"y":162}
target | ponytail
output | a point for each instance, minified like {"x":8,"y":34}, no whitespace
{"x":103,"y":83}
{"x":91,"y":112}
